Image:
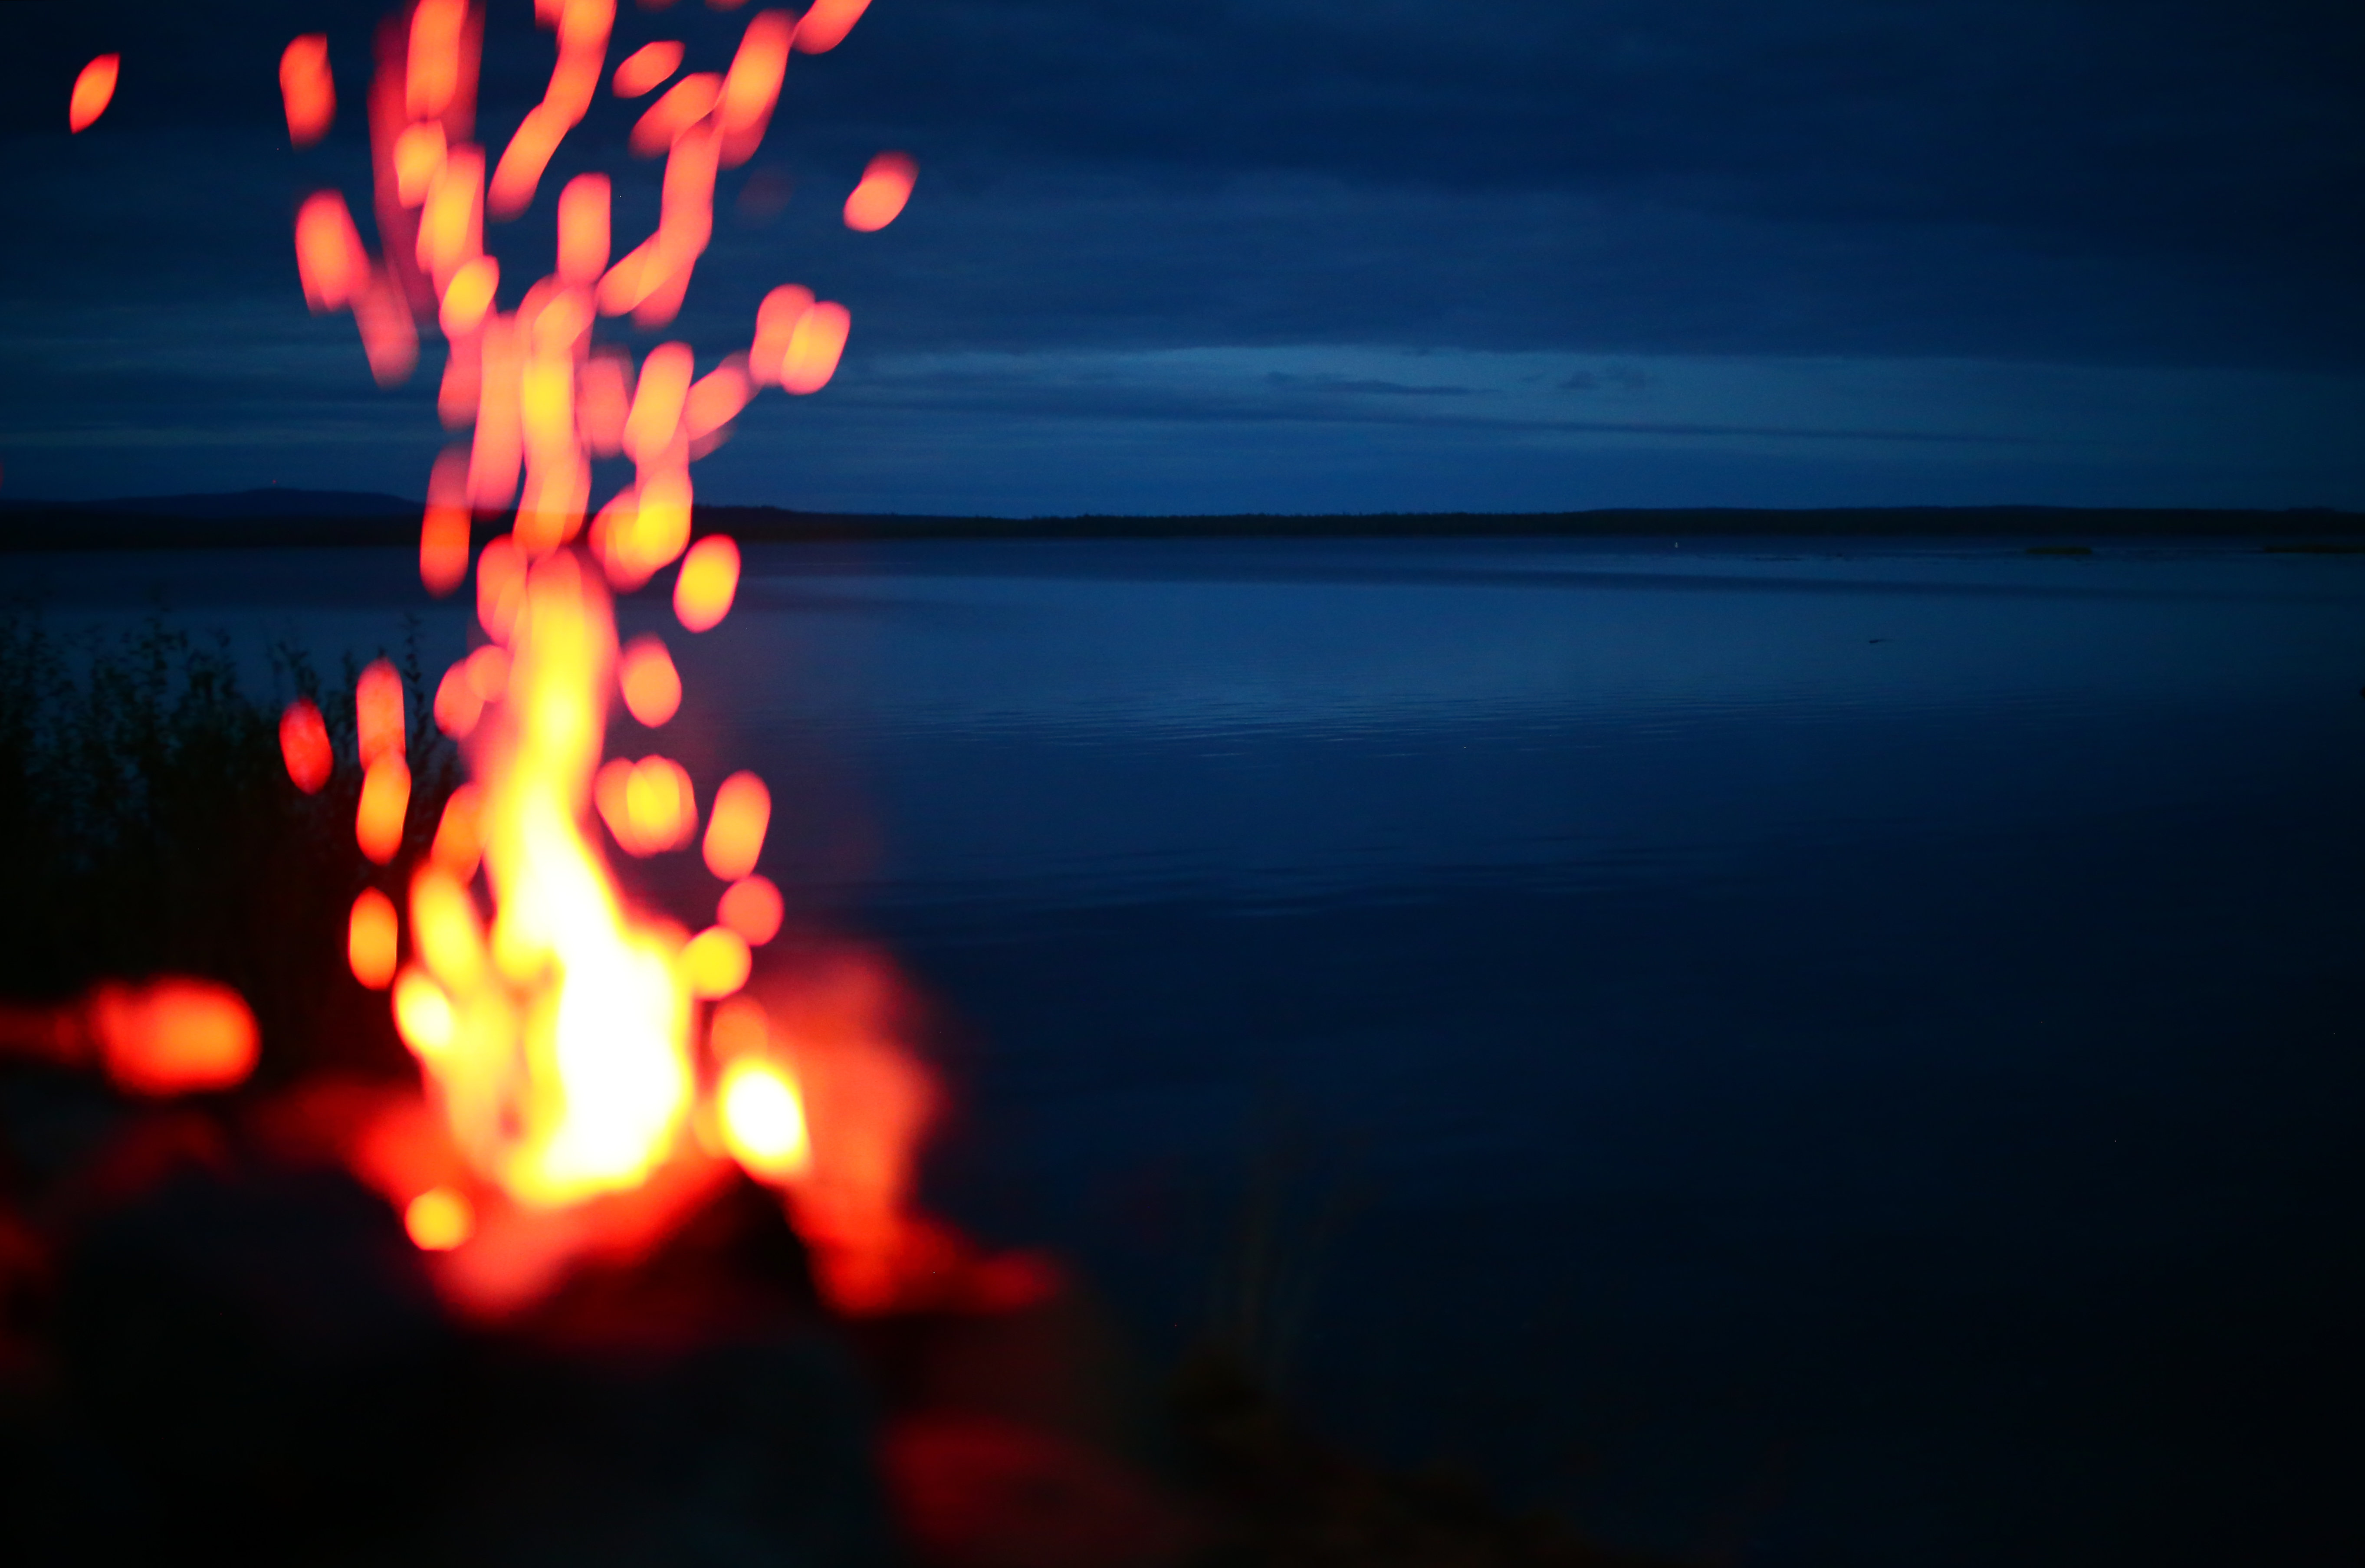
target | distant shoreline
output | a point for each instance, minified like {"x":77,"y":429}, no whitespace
{"x":26,"y":527}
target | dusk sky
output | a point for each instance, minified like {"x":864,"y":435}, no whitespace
{"x":1306,"y":255}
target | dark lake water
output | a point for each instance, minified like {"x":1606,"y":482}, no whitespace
{"x":1810,"y":1053}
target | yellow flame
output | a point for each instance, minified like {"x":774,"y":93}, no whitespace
{"x":568,"y":1069}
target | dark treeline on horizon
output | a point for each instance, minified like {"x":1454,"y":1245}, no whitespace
{"x":206,"y":521}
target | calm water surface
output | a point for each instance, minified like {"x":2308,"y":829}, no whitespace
{"x":1807,"y":1053}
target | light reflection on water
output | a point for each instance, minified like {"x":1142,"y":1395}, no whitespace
{"x":1851,"y":1046}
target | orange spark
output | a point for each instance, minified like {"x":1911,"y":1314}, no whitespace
{"x":886,"y":186}
{"x":377,"y":712}
{"x":656,"y":402}
{"x":583,"y":29}
{"x":493,"y":462}
{"x":451,"y":220}
{"x":583,"y":231}
{"x":389,"y":336}
{"x":641,"y":71}
{"x":384,"y":802}
{"x":708,"y":581}
{"x":455,"y":398}
{"x":328,"y":254}
{"x":372,"y":935}
{"x":826,"y":24}
{"x":651,"y":685}
{"x":469,"y":296}
{"x":443,"y":532}
{"x":433,"y":74}
{"x":458,"y":847}
{"x":648,"y":805}
{"x":751,"y":88}
{"x":458,"y":706}
{"x":93,"y":90}
{"x":488,"y":668}
{"x":716,"y":962}
{"x":445,"y":928}
{"x":419,"y":154}
{"x":500,"y":588}
{"x":308,"y":89}
{"x":304,"y":746}
{"x":685,"y":103}
{"x":603,"y":398}
{"x":519,"y":171}
{"x":776,"y":325}
{"x":752,"y":907}
{"x":734,"y":828}
{"x":714,"y":400}
{"x":814,"y":346}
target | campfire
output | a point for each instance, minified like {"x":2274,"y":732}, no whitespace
{"x":589,"y":1065}
{"x":641,"y":1173}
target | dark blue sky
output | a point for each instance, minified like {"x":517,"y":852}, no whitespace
{"x":1311,"y":254}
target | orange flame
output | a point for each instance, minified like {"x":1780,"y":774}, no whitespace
{"x":94,"y":89}
{"x":557,"y":1043}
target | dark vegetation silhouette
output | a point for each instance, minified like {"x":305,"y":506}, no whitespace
{"x":148,"y":827}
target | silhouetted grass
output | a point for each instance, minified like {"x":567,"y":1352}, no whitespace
{"x":148,"y":824}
